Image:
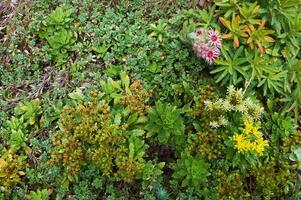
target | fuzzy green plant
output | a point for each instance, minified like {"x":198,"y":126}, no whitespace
{"x":161,"y":193}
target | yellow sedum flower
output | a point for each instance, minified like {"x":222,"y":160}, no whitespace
{"x":248,"y":127}
{"x":250,"y":139}
{"x":261,"y":144}
{"x":240,"y":142}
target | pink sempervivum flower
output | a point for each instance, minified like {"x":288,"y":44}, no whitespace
{"x":214,"y":38}
{"x":198,"y":44}
{"x":211,"y":55}
{"x":207,"y":45}
{"x":202,"y":51}
{"x":199,"y":31}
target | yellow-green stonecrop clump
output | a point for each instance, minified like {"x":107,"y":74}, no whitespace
{"x":12,"y":166}
{"x":250,"y":139}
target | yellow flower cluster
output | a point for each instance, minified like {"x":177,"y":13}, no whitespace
{"x":250,"y":139}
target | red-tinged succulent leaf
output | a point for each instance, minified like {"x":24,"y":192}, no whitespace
{"x":262,"y":24}
{"x":251,"y":45}
{"x":261,"y":48}
{"x":236,"y":42}
{"x":227,"y":36}
{"x":225,"y":22}
{"x":269,"y":39}
{"x":2,"y":162}
{"x":249,"y":40}
{"x":244,"y":35}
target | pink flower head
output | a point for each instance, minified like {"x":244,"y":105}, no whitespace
{"x":214,"y":38}
{"x":199,"y":31}
{"x":198,"y":44}
{"x":202,"y":51}
{"x":211,"y":55}
{"x":207,"y":45}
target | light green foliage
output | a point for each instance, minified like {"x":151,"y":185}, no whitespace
{"x":59,"y":17}
{"x":39,"y":195}
{"x":30,"y":111}
{"x":191,"y":171}
{"x":296,"y":154}
{"x":101,"y":50}
{"x":114,"y":89}
{"x":27,"y":116}
{"x":250,"y":12}
{"x":17,"y":139}
{"x":228,"y":7}
{"x":159,"y":30}
{"x":165,"y":122}
{"x":15,"y":133}
{"x":60,"y":42}
{"x":56,"y":29}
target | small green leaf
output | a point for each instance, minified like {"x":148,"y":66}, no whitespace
{"x":117,"y":119}
{"x":77,"y":95}
{"x":125,"y":81}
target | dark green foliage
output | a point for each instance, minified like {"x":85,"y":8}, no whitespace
{"x":191,"y":171}
{"x":165,"y":122}
{"x":161,"y":194}
{"x":232,"y":69}
{"x":279,"y":126}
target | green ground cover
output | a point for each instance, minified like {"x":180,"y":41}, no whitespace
{"x":132,"y":99}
